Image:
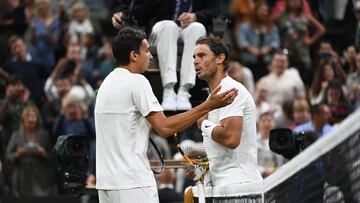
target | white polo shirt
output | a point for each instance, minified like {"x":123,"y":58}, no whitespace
{"x":234,"y":166}
{"x":122,"y":132}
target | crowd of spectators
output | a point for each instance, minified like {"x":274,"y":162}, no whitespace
{"x":300,"y":59}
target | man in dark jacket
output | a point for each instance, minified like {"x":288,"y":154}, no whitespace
{"x":168,"y":21}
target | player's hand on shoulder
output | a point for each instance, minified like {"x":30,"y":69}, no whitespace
{"x":218,"y":100}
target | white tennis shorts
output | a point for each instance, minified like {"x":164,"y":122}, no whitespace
{"x":139,"y":195}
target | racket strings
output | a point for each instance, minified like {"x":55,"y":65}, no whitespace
{"x":155,"y":159}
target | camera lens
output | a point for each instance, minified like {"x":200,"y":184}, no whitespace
{"x":283,"y":139}
{"x":78,"y":146}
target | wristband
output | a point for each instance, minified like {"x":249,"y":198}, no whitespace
{"x":207,"y":127}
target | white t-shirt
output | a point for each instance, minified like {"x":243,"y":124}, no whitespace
{"x":122,"y":132}
{"x":234,"y":166}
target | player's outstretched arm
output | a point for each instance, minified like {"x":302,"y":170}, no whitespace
{"x":166,"y":126}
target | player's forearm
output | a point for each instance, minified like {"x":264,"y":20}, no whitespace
{"x":177,"y":123}
{"x":225,"y":137}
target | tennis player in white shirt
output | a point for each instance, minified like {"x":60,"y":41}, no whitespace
{"x":229,"y":132}
{"x":125,"y":111}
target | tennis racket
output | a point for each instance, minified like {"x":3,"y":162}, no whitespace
{"x":155,"y":158}
{"x":190,"y":145}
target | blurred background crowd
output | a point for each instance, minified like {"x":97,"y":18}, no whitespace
{"x":299,"y":59}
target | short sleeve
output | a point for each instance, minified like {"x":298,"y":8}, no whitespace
{"x":144,"y":98}
{"x":236,"y":108}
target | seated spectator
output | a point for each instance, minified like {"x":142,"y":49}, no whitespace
{"x":334,"y":97}
{"x":45,"y":34}
{"x":282,"y":83}
{"x":28,"y":152}
{"x":167,"y":193}
{"x":327,"y":71}
{"x":319,"y":123}
{"x":301,"y":113}
{"x":242,"y":74}
{"x":353,"y":84}
{"x":268,"y":161}
{"x":257,"y":39}
{"x":293,"y":27}
{"x":186,"y":20}
{"x":80,"y":23}
{"x":11,"y":107}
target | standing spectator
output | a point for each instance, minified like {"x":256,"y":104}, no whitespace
{"x":294,"y":31}
{"x":239,"y":11}
{"x":242,"y":10}
{"x":257,"y":39}
{"x":353,"y":84}
{"x":107,"y":64}
{"x":45,"y":33}
{"x":70,"y":67}
{"x":80,"y":23}
{"x":23,"y":64}
{"x":280,"y":7}
{"x":174,"y":19}
{"x":28,"y":152}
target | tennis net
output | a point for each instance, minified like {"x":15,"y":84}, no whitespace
{"x":327,"y":171}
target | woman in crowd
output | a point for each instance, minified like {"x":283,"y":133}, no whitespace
{"x":28,"y":152}
{"x":327,"y":71}
{"x":257,"y":39}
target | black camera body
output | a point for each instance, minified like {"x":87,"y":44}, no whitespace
{"x":71,"y":156}
{"x":286,"y":142}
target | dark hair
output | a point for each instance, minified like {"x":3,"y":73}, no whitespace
{"x":13,"y":79}
{"x":217,"y":46}
{"x":298,"y":11}
{"x":127,"y":40}
{"x":337,"y":85}
{"x":255,"y":21}
{"x":316,"y":108}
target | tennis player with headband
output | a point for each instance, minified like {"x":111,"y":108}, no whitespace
{"x":229,"y":132}
{"x":125,"y":110}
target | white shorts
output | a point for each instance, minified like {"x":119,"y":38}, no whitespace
{"x":140,"y":195}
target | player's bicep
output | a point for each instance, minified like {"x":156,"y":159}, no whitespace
{"x":232,"y":128}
